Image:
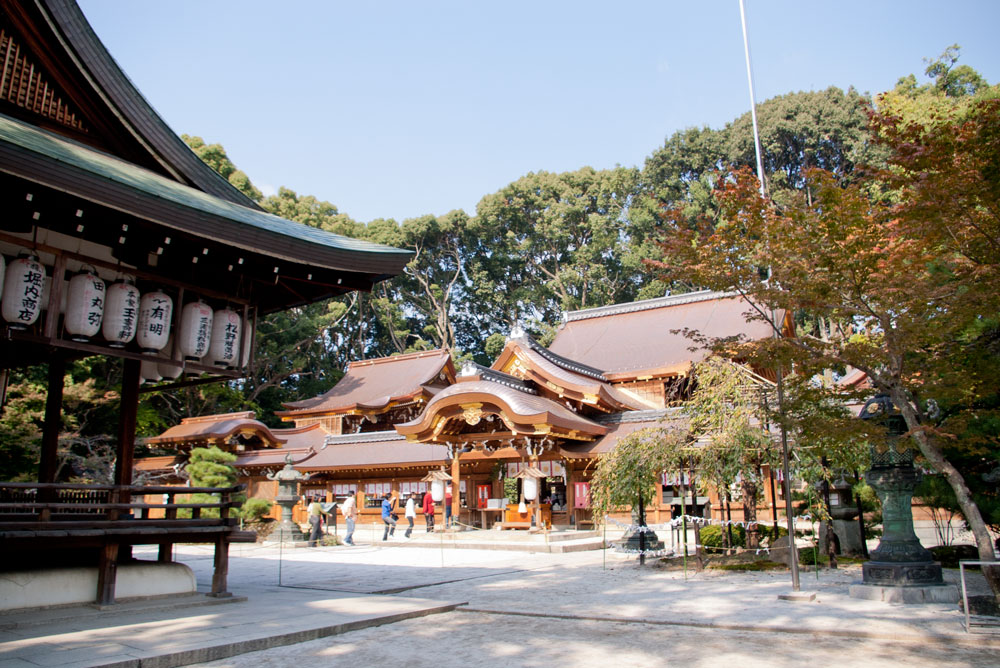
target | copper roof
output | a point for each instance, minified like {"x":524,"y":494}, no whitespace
{"x":646,"y":338}
{"x":216,"y":428}
{"x":371,"y":385}
{"x":373,"y":449}
{"x":164,"y":463}
{"x":523,"y":412}
{"x":273,"y":457}
{"x":561,"y":376}
{"x":301,"y":437}
{"x":619,"y":427}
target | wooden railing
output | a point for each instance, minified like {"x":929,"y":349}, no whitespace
{"x":47,"y":516}
{"x":33,"y":503}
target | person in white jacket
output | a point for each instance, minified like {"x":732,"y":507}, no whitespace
{"x":410,"y":513}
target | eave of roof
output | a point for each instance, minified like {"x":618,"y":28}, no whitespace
{"x":372,"y":385}
{"x":124,"y":100}
{"x":559,"y":378}
{"x":527,"y":412}
{"x":350,"y":451}
{"x":70,"y":167}
{"x":204,"y":429}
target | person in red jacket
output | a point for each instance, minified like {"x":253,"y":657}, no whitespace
{"x":428,"y":507}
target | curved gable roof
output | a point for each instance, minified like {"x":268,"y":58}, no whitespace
{"x":524,"y":413}
{"x":524,"y":357}
{"x":216,"y":428}
{"x":373,"y":385}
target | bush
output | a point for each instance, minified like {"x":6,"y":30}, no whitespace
{"x":950,"y":555}
{"x":254,"y":510}
{"x":712,"y":536}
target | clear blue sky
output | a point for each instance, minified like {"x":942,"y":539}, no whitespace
{"x":396,"y":109}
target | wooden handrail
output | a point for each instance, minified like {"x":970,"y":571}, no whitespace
{"x":134,"y":489}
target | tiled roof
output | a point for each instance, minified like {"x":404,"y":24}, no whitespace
{"x":628,"y":341}
{"x":374,"y":384}
{"x":373,"y":449}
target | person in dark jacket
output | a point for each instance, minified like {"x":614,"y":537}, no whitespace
{"x":388,"y":518}
{"x":428,"y":507}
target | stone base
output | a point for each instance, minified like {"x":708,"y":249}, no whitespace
{"x":651,"y":542}
{"x":798,"y":596}
{"x":901,"y":574}
{"x":944,"y":593}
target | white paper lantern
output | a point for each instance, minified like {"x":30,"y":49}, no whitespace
{"x":196,"y":330}
{"x":169,"y":371}
{"x":24,"y":280}
{"x":84,"y":306}
{"x":148,"y":372}
{"x":155,"y":311}
{"x":224,"y":348}
{"x":246,"y":346}
{"x":437,"y":490}
{"x":121,"y":314}
{"x":530,"y":486}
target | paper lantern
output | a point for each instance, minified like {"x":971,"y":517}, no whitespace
{"x":196,"y":330}
{"x":530,"y":486}
{"x":24,"y":280}
{"x":169,"y":371}
{"x":246,"y":346}
{"x":121,"y":314}
{"x":84,"y":306}
{"x":224,"y":349}
{"x":155,"y":310}
{"x":148,"y":372}
{"x":437,"y":490}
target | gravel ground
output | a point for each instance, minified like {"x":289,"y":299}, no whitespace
{"x":619,"y":615}
{"x":462,"y":639}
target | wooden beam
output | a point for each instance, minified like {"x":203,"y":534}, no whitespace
{"x":49,"y":461}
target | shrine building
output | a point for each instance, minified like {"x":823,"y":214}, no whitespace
{"x":609,"y":372}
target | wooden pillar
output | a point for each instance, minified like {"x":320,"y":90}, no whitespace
{"x":536,"y":508}
{"x":221,"y":575}
{"x":107,"y":572}
{"x":125,"y":452}
{"x":571,"y":497}
{"x":166,"y":553}
{"x":456,"y":486}
{"x":48,"y":463}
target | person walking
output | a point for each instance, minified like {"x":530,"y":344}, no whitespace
{"x":428,"y":507}
{"x":410,"y":513}
{"x":350,"y":512}
{"x":389,"y":518}
{"x":447,"y":507}
{"x":315,"y":522}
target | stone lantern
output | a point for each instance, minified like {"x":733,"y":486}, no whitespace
{"x":901,"y":569}
{"x":288,"y":495}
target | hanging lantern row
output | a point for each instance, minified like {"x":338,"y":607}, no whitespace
{"x":121,"y":315}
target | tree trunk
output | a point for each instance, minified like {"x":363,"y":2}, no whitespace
{"x":750,"y":513}
{"x":930,"y":450}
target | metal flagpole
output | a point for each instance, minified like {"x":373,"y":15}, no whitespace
{"x":793,"y":559}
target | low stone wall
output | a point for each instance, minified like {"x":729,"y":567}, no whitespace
{"x":68,"y":586}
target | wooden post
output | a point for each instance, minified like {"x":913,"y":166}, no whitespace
{"x":125,"y":452}
{"x":221,"y":575}
{"x":456,"y":486}
{"x":571,"y":497}
{"x":48,"y":463}
{"x":107,"y":571}
{"x":536,"y":508}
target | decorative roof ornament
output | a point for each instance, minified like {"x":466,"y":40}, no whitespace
{"x":516,"y":332}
